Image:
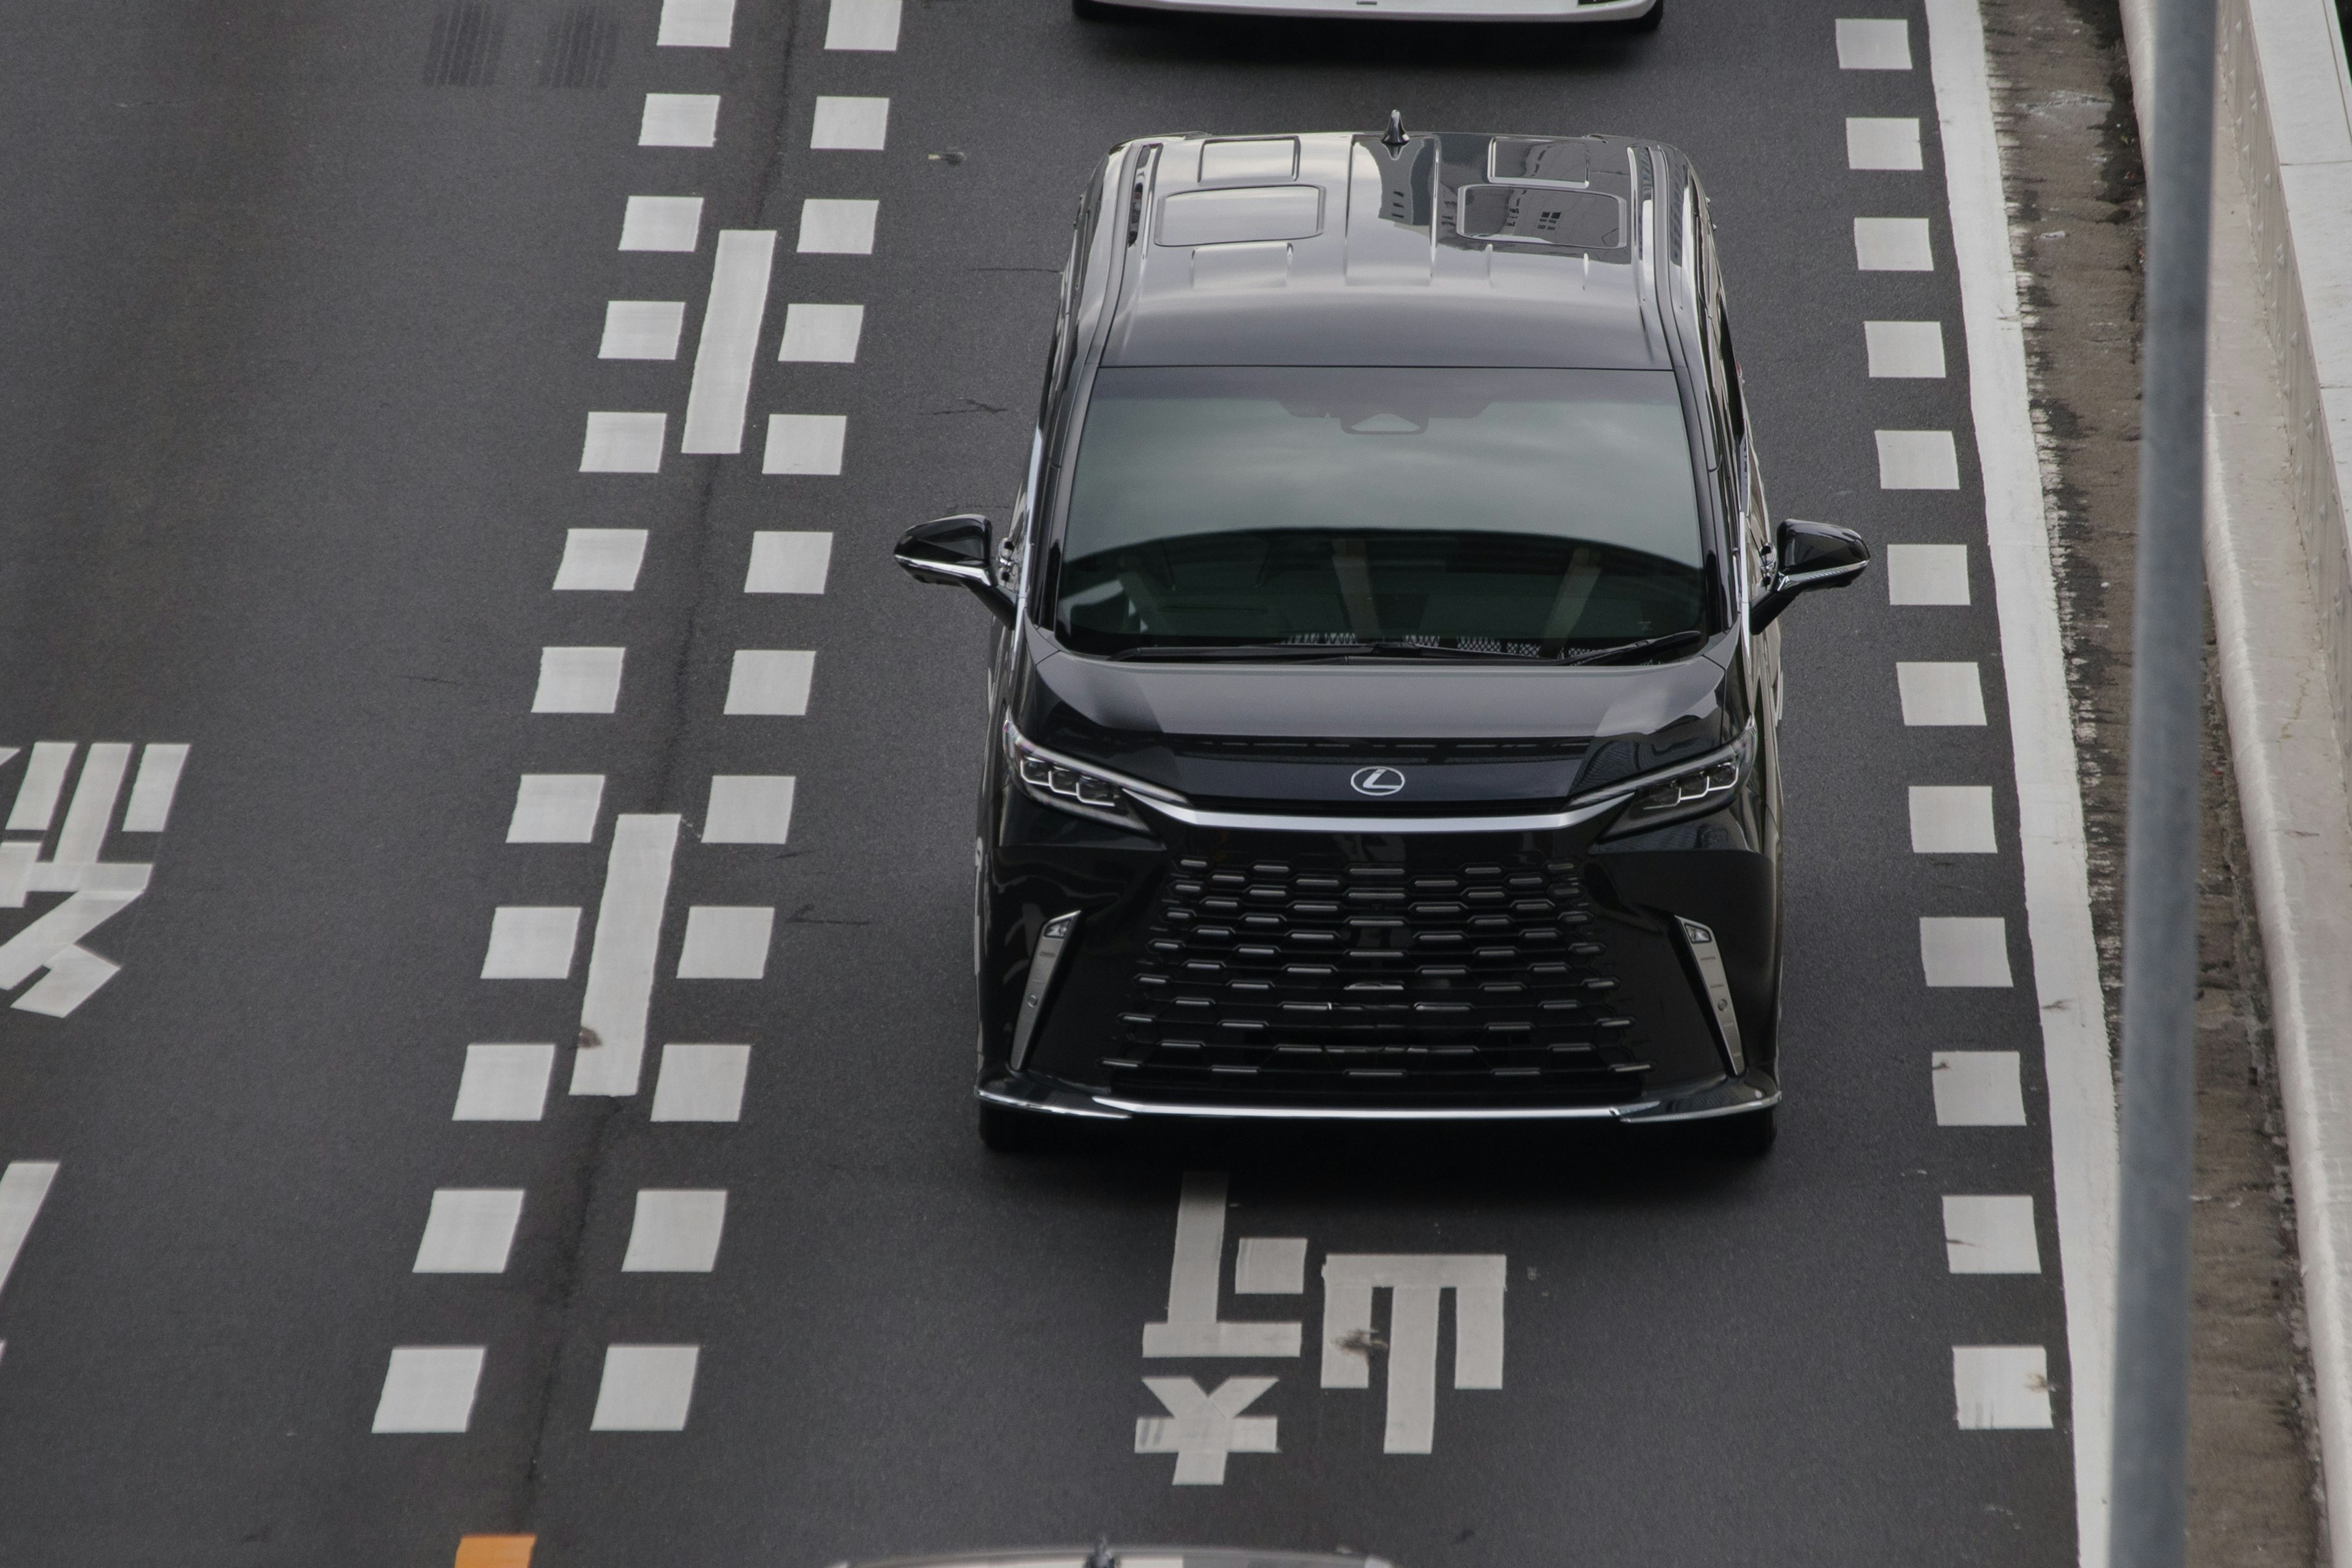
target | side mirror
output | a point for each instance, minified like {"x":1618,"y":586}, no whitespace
{"x":954,"y":550}
{"x":1810,"y":555}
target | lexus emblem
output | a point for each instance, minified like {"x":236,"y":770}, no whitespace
{"x":1376,"y":781}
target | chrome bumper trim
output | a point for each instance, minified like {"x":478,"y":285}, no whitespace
{"x":1287,"y":822}
{"x":1384,"y":1113}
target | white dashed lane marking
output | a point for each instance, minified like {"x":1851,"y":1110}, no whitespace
{"x":1891,"y":245}
{"x":1964,"y":951}
{"x":821,"y":334}
{"x":730,"y":342}
{"x":785,"y":562}
{"x":556,"y":809}
{"x":1951,"y":820}
{"x":1918,"y":460}
{"x":748,"y":808}
{"x":679,"y":120}
{"x":2000,"y":1388}
{"x":530,"y":941}
{"x":805,"y":444}
{"x":1940,"y":694}
{"x":621,"y":962}
{"x":835,"y":226}
{"x":1912,"y":351}
{"x":642,"y":328}
{"x":578,"y":679}
{"x":1928,"y":574}
{"x":769,"y":682}
{"x":1872,"y":44}
{"x":601,"y":560}
{"x":871,"y":24}
{"x":1890,"y":144}
{"x":1991,"y":1236}
{"x":504,"y":1083}
{"x":701,"y":1083}
{"x":727,"y":941}
{"x":850,"y":125}
{"x":695,"y":24}
{"x":469,"y":1230}
{"x":1977,"y":1088}
{"x":430,"y":1388}
{"x":645,"y":1388}
{"x":676,"y":1232}
{"x":624,"y":443}
{"x":662,"y":223}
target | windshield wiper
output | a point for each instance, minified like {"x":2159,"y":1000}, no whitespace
{"x":1431,"y":650}
{"x":1626,"y":650}
{"x":1324,"y":652}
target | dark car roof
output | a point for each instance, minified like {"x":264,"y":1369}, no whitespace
{"x":1337,"y":249}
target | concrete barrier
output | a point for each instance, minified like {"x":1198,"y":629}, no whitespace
{"x":2279,"y":445}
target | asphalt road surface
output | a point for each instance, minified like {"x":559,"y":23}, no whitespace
{"x":307,"y":345}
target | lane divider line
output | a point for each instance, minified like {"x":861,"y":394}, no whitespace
{"x":2002,"y":1388}
{"x":613,"y":1014}
{"x":504,"y":1083}
{"x":696,"y":25}
{"x":601,"y":560}
{"x":701,"y":1083}
{"x":789,"y":561}
{"x":429,"y":1389}
{"x":662,"y":223}
{"x":1977,"y":1088}
{"x":645,"y":1388}
{"x":1874,"y":44}
{"x":679,"y":120}
{"x":821,"y":334}
{"x":722,"y":389}
{"x":863,"y":25}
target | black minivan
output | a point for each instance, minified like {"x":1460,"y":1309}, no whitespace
{"x":1384,"y":709}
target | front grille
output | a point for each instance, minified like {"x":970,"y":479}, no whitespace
{"x":1273,"y":979}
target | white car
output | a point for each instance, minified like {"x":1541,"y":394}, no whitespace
{"x":1640,"y":15}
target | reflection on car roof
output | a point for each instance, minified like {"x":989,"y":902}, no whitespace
{"x":1333,"y":248}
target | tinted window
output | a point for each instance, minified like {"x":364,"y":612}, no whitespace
{"x":1536,"y":511}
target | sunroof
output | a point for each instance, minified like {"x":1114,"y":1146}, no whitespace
{"x":1525,"y":158}
{"x":1579,"y":220}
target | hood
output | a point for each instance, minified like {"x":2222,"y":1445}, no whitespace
{"x":1457,"y":734}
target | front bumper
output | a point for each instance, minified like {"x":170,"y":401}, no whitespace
{"x":1757,"y":1090}
{"x":1408,"y":976}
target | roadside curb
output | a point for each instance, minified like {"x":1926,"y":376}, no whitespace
{"x":2279,"y":468}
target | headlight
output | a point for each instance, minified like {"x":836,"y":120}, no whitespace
{"x":1050,"y":778}
{"x":1691,"y":790}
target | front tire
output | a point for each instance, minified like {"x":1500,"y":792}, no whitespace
{"x":1648,"y":21}
{"x":1005,"y":1130}
{"x":1747,"y":1136}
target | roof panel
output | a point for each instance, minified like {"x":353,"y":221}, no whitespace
{"x":1454,"y":250}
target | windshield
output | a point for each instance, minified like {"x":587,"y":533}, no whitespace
{"x":1528,"y":512}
